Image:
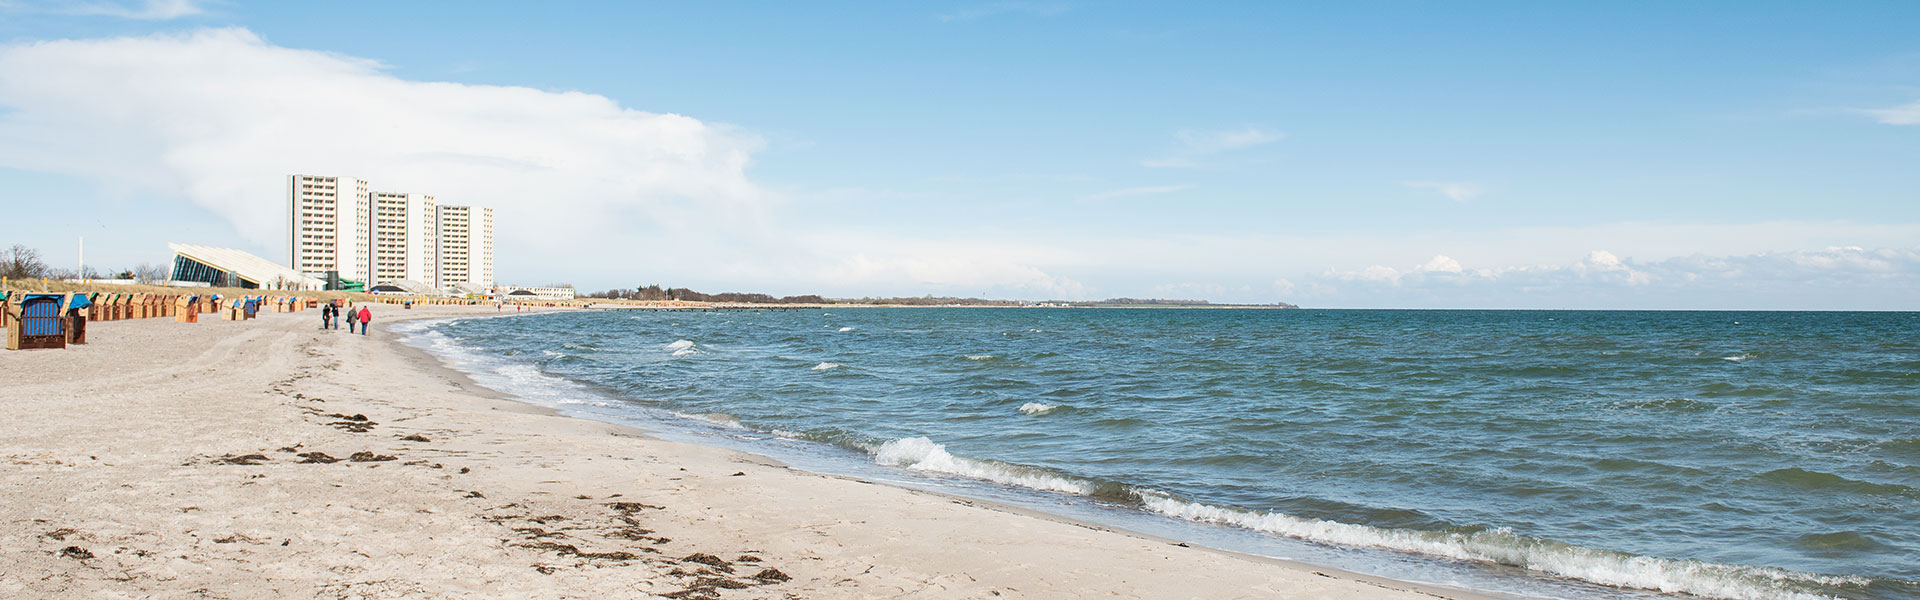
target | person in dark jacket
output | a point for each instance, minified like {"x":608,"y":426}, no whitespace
{"x":326,"y":316}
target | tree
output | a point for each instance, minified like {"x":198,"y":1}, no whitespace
{"x":21,"y":262}
{"x":150,"y":273}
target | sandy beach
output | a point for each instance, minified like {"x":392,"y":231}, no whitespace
{"x":271,"y":459}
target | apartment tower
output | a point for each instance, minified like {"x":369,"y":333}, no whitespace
{"x":383,"y":237}
{"x":329,"y":228}
{"x":405,"y":238}
{"x":465,"y":246}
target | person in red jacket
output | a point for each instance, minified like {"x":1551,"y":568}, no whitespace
{"x":366,"y":316}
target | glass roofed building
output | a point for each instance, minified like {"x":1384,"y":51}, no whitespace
{"x":226,"y":267}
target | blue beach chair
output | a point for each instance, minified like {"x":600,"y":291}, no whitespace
{"x":37,"y":322}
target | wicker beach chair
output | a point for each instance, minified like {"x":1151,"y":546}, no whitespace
{"x":37,"y":322}
{"x":77,"y":309}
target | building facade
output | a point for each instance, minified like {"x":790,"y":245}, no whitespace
{"x":330,"y":226}
{"x":338,"y":224}
{"x":405,"y":238}
{"x":521,"y":292}
{"x":465,"y":246}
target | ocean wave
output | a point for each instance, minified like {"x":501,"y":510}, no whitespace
{"x":680,"y":345}
{"x":846,"y":329}
{"x":1036,"y":408}
{"x":1492,"y":545}
{"x":826,"y":366}
{"x":979,"y":357}
{"x":685,"y":352}
{"x":922,"y":454}
{"x":1672,"y":404}
{"x":1822,"y":481}
{"x":722,"y":419}
{"x":1738,"y":358}
{"x":1503,"y":546}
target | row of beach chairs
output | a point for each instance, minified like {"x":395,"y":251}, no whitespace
{"x":54,"y":320}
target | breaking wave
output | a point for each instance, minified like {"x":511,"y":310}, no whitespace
{"x":825,"y":366}
{"x":1491,"y":545}
{"x":1036,"y":408}
{"x":921,"y":454}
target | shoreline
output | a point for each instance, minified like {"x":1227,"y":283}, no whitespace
{"x":513,"y":498}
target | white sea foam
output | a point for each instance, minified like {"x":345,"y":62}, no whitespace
{"x":1505,"y":547}
{"x":1739,"y":358}
{"x":685,"y":352}
{"x":846,"y":329}
{"x":922,"y":454}
{"x":552,"y":354}
{"x":979,"y":357}
{"x":721,"y":419}
{"x":1036,"y":408}
{"x":1501,"y":545}
{"x":825,"y":366}
{"x":680,"y":345}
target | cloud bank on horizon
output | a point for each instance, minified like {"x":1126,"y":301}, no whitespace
{"x":586,"y":189}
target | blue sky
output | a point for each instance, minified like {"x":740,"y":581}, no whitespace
{"x":1524,"y":154}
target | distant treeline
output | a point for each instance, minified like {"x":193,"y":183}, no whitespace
{"x":1154,"y":301}
{"x":19,"y":262}
{"x":660,"y":293}
{"x":656,"y":292}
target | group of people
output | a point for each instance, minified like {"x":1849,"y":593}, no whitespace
{"x":332,"y":312}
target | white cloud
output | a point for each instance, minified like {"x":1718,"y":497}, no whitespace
{"x":582,"y":187}
{"x":1458,"y":191}
{"x":1196,"y":148}
{"x":1602,"y":275}
{"x":1440,"y":264}
{"x":1899,"y":115}
{"x":1035,"y":9}
{"x":1136,"y":191}
{"x":146,"y":10}
{"x":590,"y":190}
{"x":219,"y":118}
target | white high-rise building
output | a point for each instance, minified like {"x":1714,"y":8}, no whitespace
{"x":383,"y":237}
{"x":329,"y":226}
{"x":465,"y":246}
{"x":405,"y":238}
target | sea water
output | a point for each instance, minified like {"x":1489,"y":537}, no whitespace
{"x":1578,"y":454}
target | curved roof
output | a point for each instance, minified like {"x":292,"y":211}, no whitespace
{"x":252,"y":268}
{"x":408,"y":286}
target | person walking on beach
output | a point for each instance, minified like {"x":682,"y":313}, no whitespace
{"x":326,"y":316}
{"x":366,"y":316}
{"x":351,"y":321}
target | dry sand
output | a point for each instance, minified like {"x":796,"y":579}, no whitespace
{"x":270,"y":459}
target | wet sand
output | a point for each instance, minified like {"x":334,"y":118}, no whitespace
{"x":269,"y":458}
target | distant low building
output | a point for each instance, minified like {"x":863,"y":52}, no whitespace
{"x":227,"y":267}
{"x":515,"y":292}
